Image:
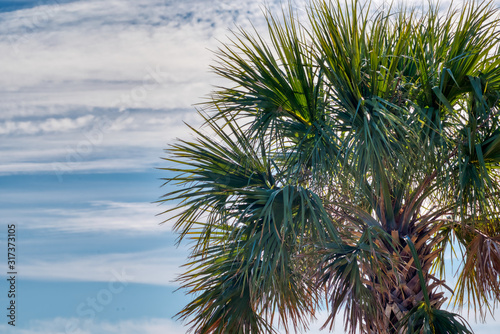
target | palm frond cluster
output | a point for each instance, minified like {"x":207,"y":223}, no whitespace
{"x":341,"y":160}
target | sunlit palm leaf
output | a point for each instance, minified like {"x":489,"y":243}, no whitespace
{"x":331,"y":151}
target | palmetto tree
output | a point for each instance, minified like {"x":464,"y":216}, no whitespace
{"x":342,"y":159}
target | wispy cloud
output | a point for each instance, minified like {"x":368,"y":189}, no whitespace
{"x":90,"y":52}
{"x":98,"y":216}
{"x":63,"y":124}
{"x":133,"y":326}
{"x":162,"y":326}
{"x":69,"y":67}
{"x":137,"y":65}
{"x":59,"y":326}
{"x":94,"y":140}
{"x":157,"y":267}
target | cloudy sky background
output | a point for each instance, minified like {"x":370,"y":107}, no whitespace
{"x":91,"y":92}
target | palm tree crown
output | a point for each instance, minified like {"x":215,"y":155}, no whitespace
{"x":338,"y":164}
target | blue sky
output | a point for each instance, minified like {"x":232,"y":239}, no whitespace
{"x":91,"y":92}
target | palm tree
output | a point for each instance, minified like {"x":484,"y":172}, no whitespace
{"x":344,"y":160}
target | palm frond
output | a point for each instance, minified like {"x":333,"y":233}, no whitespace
{"x":344,"y":156}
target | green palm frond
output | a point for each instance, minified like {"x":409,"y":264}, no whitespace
{"x":340,"y":160}
{"x":426,"y":320}
{"x":343,"y":274}
{"x":280,"y":80}
{"x":478,"y":280}
{"x":223,"y":300}
{"x":249,"y":226}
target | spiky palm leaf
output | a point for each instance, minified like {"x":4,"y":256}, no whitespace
{"x":341,"y":162}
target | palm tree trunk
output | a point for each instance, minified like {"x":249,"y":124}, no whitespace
{"x":406,"y":292}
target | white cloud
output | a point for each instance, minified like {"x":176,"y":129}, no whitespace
{"x":99,"y":216}
{"x":91,"y":52}
{"x":156,"y":267}
{"x":61,"y":326}
{"x":65,"y":63}
{"x":156,"y":326}
{"x":99,"y":140}
{"x":62,"y":168}
{"x":47,"y":125}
